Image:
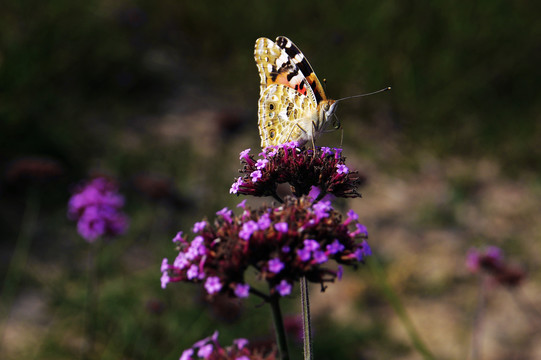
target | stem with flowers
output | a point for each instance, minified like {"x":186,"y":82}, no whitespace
{"x":286,"y":243}
{"x":97,"y":206}
{"x":493,"y":269}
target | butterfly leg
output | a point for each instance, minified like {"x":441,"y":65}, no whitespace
{"x":292,"y":128}
{"x":313,"y":134}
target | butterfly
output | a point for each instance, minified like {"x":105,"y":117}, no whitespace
{"x":292,"y":103}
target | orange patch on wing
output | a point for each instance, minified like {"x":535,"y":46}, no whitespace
{"x":282,"y":79}
{"x":316,"y":86}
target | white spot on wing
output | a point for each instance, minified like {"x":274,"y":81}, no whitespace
{"x":298,"y":58}
{"x":283,"y":59}
{"x":297,"y":79}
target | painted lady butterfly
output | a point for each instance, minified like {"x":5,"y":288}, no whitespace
{"x":292,"y":103}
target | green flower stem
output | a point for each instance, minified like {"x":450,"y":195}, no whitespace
{"x":91,"y":311}
{"x":306,"y":323}
{"x":20,"y":253}
{"x":281,"y":340}
{"x":475,"y":351}
{"x":400,"y":310}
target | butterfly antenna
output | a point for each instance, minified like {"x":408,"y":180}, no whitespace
{"x":372,"y":93}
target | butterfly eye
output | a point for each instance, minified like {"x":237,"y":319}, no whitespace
{"x":327,"y":107}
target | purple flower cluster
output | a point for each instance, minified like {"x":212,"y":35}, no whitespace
{"x":210,"y":349}
{"x":491,"y":261}
{"x":96,"y":206}
{"x":302,"y":168}
{"x":281,"y":243}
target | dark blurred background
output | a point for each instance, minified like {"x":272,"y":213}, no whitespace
{"x":162,"y":96}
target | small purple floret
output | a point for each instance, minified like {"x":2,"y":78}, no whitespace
{"x":248,"y":229}
{"x":342,"y":169}
{"x":193,"y":272}
{"x":256,"y":175}
{"x":213,"y":284}
{"x":275,"y":265}
{"x":335,"y":247}
{"x":284,"y":288}
{"x":240,"y":343}
{"x":304,"y":254}
{"x":244,"y":154}
{"x":226,"y":214}
{"x":178,"y":237}
{"x":311,"y":245}
{"x":281,"y":227}
{"x":352,"y":215}
{"x":367,"y":251}
{"x":242,"y":290}
{"x":261,"y":163}
{"x":320,"y":257}
{"x":199,"y":226}
{"x":264,"y":221}
{"x":186,"y":354}
{"x":205,"y":351}
{"x":322,"y":208}
{"x":165,"y":279}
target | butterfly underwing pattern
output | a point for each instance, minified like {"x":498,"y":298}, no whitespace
{"x":292,"y":103}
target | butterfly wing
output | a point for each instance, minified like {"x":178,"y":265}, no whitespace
{"x":297,"y":57}
{"x":284,"y":115}
{"x":289,"y":93}
{"x":277,"y":67}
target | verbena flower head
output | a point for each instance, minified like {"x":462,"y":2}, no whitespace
{"x":209,"y":348}
{"x":490,"y":258}
{"x":491,"y":261}
{"x":298,"y":238}
{"x":302,"y":168}
{"x":97,"y":208}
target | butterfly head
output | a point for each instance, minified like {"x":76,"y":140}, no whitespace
{"x":325,"y":110}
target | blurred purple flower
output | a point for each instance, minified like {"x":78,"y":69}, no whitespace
{"x":275,"y":265}
{"x":242,"y":290}
{"x":205,"y":351}
{"x":96,"y":206}
{"x":213,"y":284}
{"x":264,"y":222}
{"x":281,"y":227}
{"x":210,"y":348}
{"x":284,"y":288}
{"x":491,"y":261}
{"x":199,"y":226}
